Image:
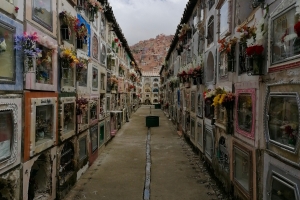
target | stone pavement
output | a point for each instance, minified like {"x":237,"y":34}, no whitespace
{"x":120,"y":170}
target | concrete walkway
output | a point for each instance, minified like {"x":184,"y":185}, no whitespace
{"x":120,"y":170}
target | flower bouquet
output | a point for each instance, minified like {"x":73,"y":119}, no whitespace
{"x":82,"y":64}
{"x":69,"y":24}
{"x":256,"y":59}
{"x":81,"y":107}
{"x":93,"y":6}
{"x":297,"y":28}
{"x":228,"y":47}
{"x":26,"y":43}
{"x":68,"y":61}
{"x":68,"y":58}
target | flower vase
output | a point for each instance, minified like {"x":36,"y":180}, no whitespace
{"x":65,"y":33}
{"x":79,"y":119}
{"x":29,"y":63}
{"x":194,"y":80}
{"x":229,"y":126}
{"x":256,"y":65}
{"x":91,"y":16}
{"x":79,"y":43}
{"x":199,"y":80}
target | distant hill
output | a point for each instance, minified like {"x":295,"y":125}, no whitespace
{"x":150,"y":54}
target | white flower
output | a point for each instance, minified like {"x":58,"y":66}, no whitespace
{"x":290,"y":37}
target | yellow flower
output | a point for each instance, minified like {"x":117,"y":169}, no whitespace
{"x":222,"y":98}
{"x":216,"y":99}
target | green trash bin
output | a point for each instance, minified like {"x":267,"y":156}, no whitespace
{"x":152,"y":121}
{"x":157,"y":106}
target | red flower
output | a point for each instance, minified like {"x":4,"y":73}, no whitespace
{"x":250,"y":51}
{"x":116,"y":39}
{"x":297,"y":28}
{"x":16,"y":9}
{"x":258,"y":49}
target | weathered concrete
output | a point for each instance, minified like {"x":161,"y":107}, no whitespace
{"x":119,"y":171}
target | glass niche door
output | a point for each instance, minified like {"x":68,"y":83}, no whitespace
{"x":43,"y":124}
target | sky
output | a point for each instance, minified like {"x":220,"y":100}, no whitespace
{"x":144,"y":19}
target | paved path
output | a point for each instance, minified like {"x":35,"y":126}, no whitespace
{"x":120,"y":171}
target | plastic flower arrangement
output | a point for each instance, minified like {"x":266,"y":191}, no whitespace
{"x":81,"y":31}
{"x":82,"y":63}
{"x":255,"y":50}
{"x":297,"y":28}
{"x":68,"y":57}
{"x":69,"y":20}
{"x":197,"y":72}
{"x":247,"y":32}
{"x":184,"y":29}
{"x":227,"y":45}
{"x":27,"y":44}
{"x":81,"y":106}
{"x":113,"y":80}
{"x":94,"y":6}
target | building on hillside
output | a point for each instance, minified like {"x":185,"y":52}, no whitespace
{"x":150,"y":89}
{"x":231,"y":85}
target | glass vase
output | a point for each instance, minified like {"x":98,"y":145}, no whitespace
{"x":29,"y":63}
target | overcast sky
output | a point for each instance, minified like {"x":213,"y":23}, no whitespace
{"x":145,"y":19}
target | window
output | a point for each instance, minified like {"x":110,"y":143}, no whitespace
{"x":156,"y":80}
{"x":223,"y":156}
{"x":94,"y":137}
{"x":285,"y":43}
{"x":103,"y":54}
{"x":43,"y":126}
{"x":44,"y":66}
{"x":42,"y":13}
{"x":108,"y":83}
{"x":193,"y":98}
{"x":107,"y":103}
{"x":69,"y":114}
{"x":95,"y":78}
{"x":199,"y":105}
{"x":242,"y":58}
{"x":66,"y":162}
{"x":224,"y":25}
{"x":193,"y":128}
{"x":6,"y":134}
{"x":244,"y":112}
{"x":81,"y":77}
{"x":210,"y":30}
{"x":209,"y":145}
{"x":101,"y":134}
{"x":283,"y":119}
{"x":210,"y":68}
{"x":223,"y":67}
{"x":82,"y":148}
{"x":200,"y":134}
{"x":241,"y":168}
{"x":210,"y":3}
{"x":209,"y":109}
{"x":95,"y":47}
{"x":7,"y":52}
{"x":93,"y":109}
{"x":155,"y":85}
{"x":67,"y":76}
{"x":282,"y":189}
{"x":102,"y":81}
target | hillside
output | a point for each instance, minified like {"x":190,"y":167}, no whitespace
{"x":150,"y":54}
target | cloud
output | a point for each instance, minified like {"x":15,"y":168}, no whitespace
{"x":145,"y":19}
